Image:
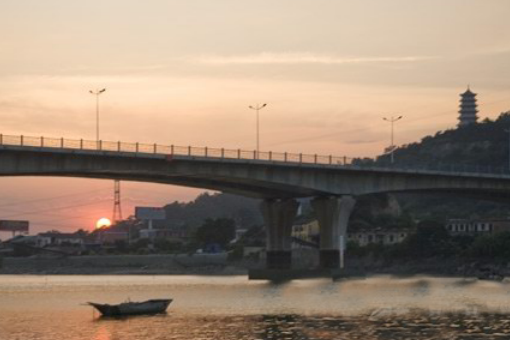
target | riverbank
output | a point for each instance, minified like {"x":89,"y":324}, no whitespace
{"x":217,"y":264}
{"x":208,"y":264}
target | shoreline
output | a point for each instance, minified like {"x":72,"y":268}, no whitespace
{"x":217,"y":264}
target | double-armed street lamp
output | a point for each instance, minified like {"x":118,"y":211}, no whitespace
{"x":257,"y":108}
{"x":392,"y":120}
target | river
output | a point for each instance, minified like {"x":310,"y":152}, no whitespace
{"x":231,"y":307}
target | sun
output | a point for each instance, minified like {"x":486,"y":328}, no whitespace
{"x":103,"y":223}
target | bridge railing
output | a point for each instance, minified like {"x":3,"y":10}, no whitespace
{"x":191,"y":151}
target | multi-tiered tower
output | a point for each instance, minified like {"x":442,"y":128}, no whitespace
{"x":468,"y":108}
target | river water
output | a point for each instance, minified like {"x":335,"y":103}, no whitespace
{"x":204,"y":307}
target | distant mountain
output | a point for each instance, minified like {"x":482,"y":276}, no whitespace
{"x":244,"y":211}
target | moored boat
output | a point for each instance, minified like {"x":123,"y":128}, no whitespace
{"x":133,"y":308}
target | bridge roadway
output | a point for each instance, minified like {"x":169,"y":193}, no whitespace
{"x":276,"y":178}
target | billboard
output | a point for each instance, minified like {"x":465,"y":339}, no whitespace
{"x":12,"y":225}
{"x":150,"y":213}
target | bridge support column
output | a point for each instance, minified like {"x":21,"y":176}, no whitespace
{"x":333,"y":215}
{"x":278,"y":217}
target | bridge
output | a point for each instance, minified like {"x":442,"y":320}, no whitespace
{"x":278,"y":179}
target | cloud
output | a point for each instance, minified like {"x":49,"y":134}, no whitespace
{"x":304,"y":58}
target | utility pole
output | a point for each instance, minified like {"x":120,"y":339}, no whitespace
{"x":117,"y":208}
{"x":392,"y":120}
{"x":257,"y":108}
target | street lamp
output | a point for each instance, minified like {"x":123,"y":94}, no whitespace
{"x":392,"y":146}
{"x":97,"y":93}
{"x":258,"y":108}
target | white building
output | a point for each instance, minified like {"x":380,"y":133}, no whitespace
{"x":378,"y":235}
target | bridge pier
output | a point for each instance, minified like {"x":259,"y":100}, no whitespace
{"x":278,"y":217}
{"x":333,"y":215}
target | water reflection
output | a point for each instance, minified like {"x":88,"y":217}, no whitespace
{"x":234,"y":308}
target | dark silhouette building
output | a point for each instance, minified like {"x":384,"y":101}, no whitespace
{"x":468,"y":108}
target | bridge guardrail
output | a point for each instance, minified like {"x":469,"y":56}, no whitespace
{"x":192,"y":151}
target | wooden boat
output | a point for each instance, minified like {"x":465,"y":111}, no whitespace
{"x":132,"y":308}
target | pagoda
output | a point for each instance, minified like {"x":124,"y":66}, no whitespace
{"x":468,"y":108}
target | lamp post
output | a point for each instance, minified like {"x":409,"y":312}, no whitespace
{"x":257,"y":108}
{"x":392,"y":120}
{"x":97,"y":93}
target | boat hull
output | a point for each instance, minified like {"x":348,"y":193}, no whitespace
{"x":133,"y":308}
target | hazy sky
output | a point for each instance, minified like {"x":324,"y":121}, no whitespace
{"x":184,"y":72}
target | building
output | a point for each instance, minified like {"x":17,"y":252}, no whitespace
{"x":386,"y":236}
{"x":468,"y":108}
{"x":112,"y":236}
{"x":307,"y":231}
{"x":179,"y":234}
{"x":476,"y":227}
{"x":58,"y":239}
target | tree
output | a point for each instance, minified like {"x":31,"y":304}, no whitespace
{"x":431,"y":239}
{"x":220,"y":231}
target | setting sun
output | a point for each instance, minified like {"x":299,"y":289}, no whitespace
{"x":103,"y":222}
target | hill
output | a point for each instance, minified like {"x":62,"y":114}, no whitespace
{"x":484,"y":146}
{"x":477,"y":145}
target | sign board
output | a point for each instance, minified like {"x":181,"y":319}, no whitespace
{"x":150,"y":213}
{"x":11,"y":225}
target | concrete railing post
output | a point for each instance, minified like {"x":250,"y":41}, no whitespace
{"x":21,"y":140}
{"x":81,"y":144}
{"x":285,"y":157}
{"x":270,"y":155}
{"x":222,"y":153}
{"x":189,"y":150}
{"x":315,"y":158}
{"x":300,"y":158}
{"x":238,"y":153}
{"x":100,"y":145}
{"x":206,"y":152}
{"x":42,"y":141}
{"x":172,"y":149}
{"x":155,"y":148}
{"x":1,"y":139}
{"x":330,"y":159}
{"x":61,"y":143}
{"x":118,"y":146}
{"x":137,"y":147}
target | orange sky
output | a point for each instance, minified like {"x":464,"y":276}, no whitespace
{"x":184,"y":72}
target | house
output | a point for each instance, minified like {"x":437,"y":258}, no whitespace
{"x":180,"y":234}
{"x":307,"y":231}
{"x":58,"y":239}
{"x":477,"y":226}
{"x":112,"y":236}
{"x":386,"y":236}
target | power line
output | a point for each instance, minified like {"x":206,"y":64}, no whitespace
{"x":53,"y":209}
{"x":50,"y":198}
